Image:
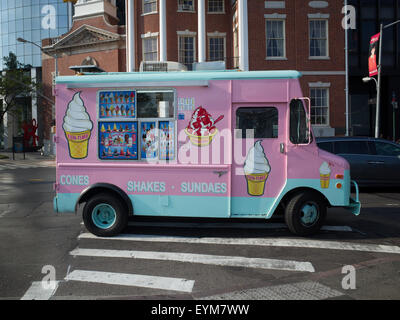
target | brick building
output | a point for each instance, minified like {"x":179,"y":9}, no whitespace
{"x":247,"y":34}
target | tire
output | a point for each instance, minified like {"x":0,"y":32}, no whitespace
{"x":105,"y":215}
{"x":305,"y":213}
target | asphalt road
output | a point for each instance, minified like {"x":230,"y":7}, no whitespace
{"x":194,"y":259}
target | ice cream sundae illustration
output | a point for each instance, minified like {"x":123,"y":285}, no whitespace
{"x":324,"y":174}
{"x":77,"y":127}
{"x":256,"y":169}
{"x":201,"y":129}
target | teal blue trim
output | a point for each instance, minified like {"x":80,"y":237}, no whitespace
{"x":104,"y":216}
{"x":121,"y":77}
{"x":65,"y":202}
{"x":251,"y":207}
{"x":181,"y":206}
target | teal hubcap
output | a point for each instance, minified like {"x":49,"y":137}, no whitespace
{"x":309,"y":214}
{"x":104,"y":216}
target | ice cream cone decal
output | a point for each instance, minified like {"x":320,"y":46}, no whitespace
{"x":77,"y":127}
{"x":256,"y":169}
{"x":201,"y":129}
{"x":324,"y":174}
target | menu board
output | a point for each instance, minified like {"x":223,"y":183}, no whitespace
{"x":118,"y":140}
{"x":117,"y":104}
{"x":149,"y":140}
{"x":167,"y":140}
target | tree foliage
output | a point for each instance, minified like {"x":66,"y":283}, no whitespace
{"x":15,"y":82}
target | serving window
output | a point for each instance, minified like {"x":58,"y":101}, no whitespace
{"x":137,"y":125}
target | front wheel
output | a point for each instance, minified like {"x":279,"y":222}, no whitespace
{"x":104,"y":215}
{"x":305,"y":213}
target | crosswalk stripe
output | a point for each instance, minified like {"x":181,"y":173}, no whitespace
{"x":232,"y":261}
{"x":266,"y":242}
{"x":37,"y":291}
{"x":227,"y":225}
{"x":134,"y":280}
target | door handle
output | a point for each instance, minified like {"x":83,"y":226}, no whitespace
{"x":220,"y":173}
{"x":282,"y":147}
{"x":376,"y":162}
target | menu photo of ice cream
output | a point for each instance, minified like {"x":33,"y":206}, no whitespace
{"x":148,"y":140}
{"x":117,"y":104}
{"x":167,"y":144}
{"x":118,"y":140}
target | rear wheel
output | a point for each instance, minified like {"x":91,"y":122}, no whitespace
{"x":305,"y":213}
{"x":105,"y":215}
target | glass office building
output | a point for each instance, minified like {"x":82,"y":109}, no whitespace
{"x":32,"y":20}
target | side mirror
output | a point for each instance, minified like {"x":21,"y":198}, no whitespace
{"x":300,"y":126}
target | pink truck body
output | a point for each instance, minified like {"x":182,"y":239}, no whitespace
{"x":143,"y":147}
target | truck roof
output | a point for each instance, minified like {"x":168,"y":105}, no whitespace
{"x":131,"y":77}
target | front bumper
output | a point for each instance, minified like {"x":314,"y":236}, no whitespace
{"x":354,"y":204}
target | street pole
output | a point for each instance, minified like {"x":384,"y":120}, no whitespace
{"x":346,"y":50}
{"x":378,"y":93}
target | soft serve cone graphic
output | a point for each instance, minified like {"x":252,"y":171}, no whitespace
{"x":324,"y":174}
{"x":77,"y":127}
{"x":256,"y":169}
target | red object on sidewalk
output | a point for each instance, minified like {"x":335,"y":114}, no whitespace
{"x":30,"y":132}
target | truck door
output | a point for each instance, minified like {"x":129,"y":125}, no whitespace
{"x":259,"y":160}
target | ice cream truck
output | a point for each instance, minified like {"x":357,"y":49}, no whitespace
{"x":220,"y":144}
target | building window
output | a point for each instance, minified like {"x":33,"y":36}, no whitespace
{"x":319,"y":106}
{"x":150,"y":52}
{"x":185,"y":5}
{"x":186,"y":50}
{"x":216,"y":6}
{"x":149,"y":6}
{"x":275,"y":32}
{"x":216,"y":48}
{"x":318,"y":38}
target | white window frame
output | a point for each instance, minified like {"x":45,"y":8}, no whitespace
{"x":326,"y":39}
{"x":218,"y":35}
{"x":186,"y":33}
{"x":181,"y":6}
{"x":150,"y":12}
{"x":283,"y":20}
{"x":321,"y":86}
{"x":149,"y":37}
{"x":216,"y":12}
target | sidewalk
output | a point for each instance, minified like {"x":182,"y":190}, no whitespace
{"x":31,"y":159}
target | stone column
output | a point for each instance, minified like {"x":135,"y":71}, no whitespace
{"x":201,"y":26}
{"x":163,"y":31}
{"x":243,"y":36}
{"x":130,"y":36}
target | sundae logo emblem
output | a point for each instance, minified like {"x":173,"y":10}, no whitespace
{"x":201,"y":129}
{"x":77,"y":127}
{"x":256,"y":170}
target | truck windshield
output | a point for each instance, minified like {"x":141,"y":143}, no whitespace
{"x":298,"y":123}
